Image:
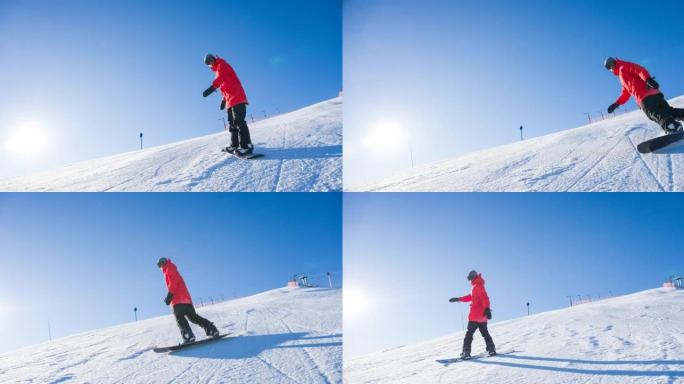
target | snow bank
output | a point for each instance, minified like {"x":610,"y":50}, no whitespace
{"x":303,"y":153}
{"x":629,"y":339}
{"x":287,"y":336}
{"x":597,"y":157}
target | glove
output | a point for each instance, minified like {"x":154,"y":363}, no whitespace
{"x":488,"y":313}
{"x":167,"y":300}
{"x":651,"y":83}
{"x":223,"y":104}
{"x":208,"y":91}
{"x":454,"y":299}
{"x":613,"y":107}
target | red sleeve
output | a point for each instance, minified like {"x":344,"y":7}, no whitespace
{"x":465,"y":298}
{"x":623,"y":97}
{"x":220,"y":74}
{"x":171,"y":280}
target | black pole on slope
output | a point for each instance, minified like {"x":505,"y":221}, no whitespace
{"x":570,"y":297}
{"x":141,"y":136}
{"x":528,"y":308}
{"x":521,"y":135}
{"x":135,"y":313}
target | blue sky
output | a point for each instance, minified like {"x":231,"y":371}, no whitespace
{"x":88,"y":76}
{"x":405,"y":255}
{"x":456,"y":76}
{"x":83,"y":261}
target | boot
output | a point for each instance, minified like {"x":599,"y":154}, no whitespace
{"x":188,"y":337}
{"x":245,"y":150}
{"x":231,"y":148}
{"x":465,"y":355}
{"x":211,"y":331}
{"x":672,"y":126}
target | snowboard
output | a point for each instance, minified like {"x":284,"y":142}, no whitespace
{"x":659,"y":142}
{"x":247,"y":157}
{"x":186,"y":345}
{"x":447,"y":362}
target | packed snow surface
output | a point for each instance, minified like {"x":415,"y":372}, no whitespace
{"x":303,"y":152}
{"x":597,"y":157}
{"x":286,"y":336}
{"x":630,"y":339}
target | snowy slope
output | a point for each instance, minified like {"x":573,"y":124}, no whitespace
{"x":303,"y":153}
{"x":636,"y":338}
{"x":597,"y":157}
{"x":289,"y":336}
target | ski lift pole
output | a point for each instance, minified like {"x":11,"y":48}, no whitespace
{"x":135,"y":313}
{"x":141,"y":136}
{"x":521,"y":135}
{"x":528,"y":308}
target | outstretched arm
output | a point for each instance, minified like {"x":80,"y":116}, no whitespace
{"x":624,"y":96}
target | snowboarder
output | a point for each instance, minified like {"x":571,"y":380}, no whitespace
{"x":637,"y":82}
{"x":478,"y":316}
{"x":179,"y":298}
{"x":234,"y":100}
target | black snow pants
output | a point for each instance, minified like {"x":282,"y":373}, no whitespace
{"x":658,"y":110}
{"x":468,"y":341}
{"x":237,"y":125}
{"x":181,"y":311}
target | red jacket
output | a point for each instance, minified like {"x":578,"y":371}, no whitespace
{"x":479,"y":301}
{"x":633,"y":78}
{"x":228,"y":82}
{"x":175,"y":284}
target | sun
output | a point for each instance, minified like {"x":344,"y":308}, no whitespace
{"x":27,"y":139}
{"x":385,"y":136}
{"x":356,"y":303}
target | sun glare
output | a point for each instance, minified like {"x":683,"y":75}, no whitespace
{"x":28,"y":139}
{"x":385,"y":136}
{"x":355,"y":303}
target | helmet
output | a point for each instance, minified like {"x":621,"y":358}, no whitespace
{"x":162,"y":261}
{"x":609,"y":63}
{"x":472,"y":275}
{"x":209,"y":59}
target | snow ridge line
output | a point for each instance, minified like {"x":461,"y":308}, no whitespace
{"x":593,"y":166}
{"x":270,"y":365}
{"x":321,"y":374}
{"x":650,"y":171}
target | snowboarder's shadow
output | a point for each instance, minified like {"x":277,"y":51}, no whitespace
{"x":606,"y":372}
{"x":301,"y":153}
{"x":252,"y":345}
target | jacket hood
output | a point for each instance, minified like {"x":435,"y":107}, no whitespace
{"x":167,"y":265}
{"x":618,"y":65}
{"x":214,"y":66}
{"x":478,"y":280}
